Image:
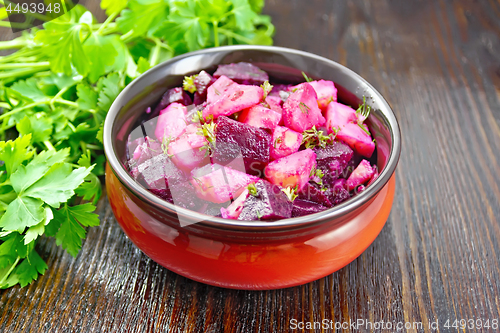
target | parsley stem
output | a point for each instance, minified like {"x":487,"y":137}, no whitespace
{"x":105,"y":24}
{"x":13,"y":44}
{"x":93,"y":147}
{"x":126,"y":36}
{"x":66,"y":102}
{"x":239,"y":37}
{"x":56,"y":97}
{"x":6,"y":275}
{"x":18,"y":55}
{"x":8,"y":114}
{"x":13,"y":75}
{"x":25,"y":64}
{"x":63,"y":3}
{"x":49,"y":145}
{"x":5,"y":105}
{"x":216,"y":33}
{"x":155,"y":55}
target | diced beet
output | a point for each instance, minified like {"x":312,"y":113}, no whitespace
{"x":304,"y":207}
{"x":292,"y":170}
{"x":235,"y":98}
{"x":332,"y":160}
{"x":279,"y":87}
{"x":314,"y":194}
{"x":234,"y":139}
{"x":235,"y":208}
{"x":184,"y":195}
{"x":145,"y":149}
{"x":301,"y":111}
{"x":268,"y":203}
{"x":357,"y":139}
{"x":186,"y":152}
{"x":202,"y":81}
{"x":174,"y":95}
{"x":181,"y":194}
{"x":326,"y":92}
{"x":216,"y":183}
{"x":242,"y":72}
{"x":360,"y":175}
{"x":172,"y":122}
{"x":338,"y":192}
{"x":260,"y":116}
{"x":284,"y":142}
{"x":164,"y":193}
{"x":156,"y":172}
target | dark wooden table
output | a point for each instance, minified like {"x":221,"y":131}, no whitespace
{"x":437,"y":258}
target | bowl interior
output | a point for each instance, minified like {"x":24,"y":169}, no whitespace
{"x":283,"y":66}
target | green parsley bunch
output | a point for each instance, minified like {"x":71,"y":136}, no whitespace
{"x":55,"y":91}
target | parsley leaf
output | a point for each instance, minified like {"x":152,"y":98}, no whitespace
{"x":29,"y":90}
{"x":108,"y":88}
{"x":113,"y":6}
{"x":101,"y":54}
{"x":27,"y":270}
{"x":244,"y":14}
{"x":71,"y":231}
{"x":58,"y":184}
{"x":21,"y":213}
{"x":13,"y":153}
{"x":39,"y":127}
{"x":87,"y":97}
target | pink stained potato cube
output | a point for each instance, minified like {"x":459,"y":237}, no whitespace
{"x":185,"y":152}
{"x":233,"y":211}
{"x":225,"y":98}
{"x":363,"y":172}
{"x":216,"y":183}
{"x":356,"y":138}
{"x":326,"y":92}
{"x":274,"y":103}
{"x":301,"y":111}
{"x":292,"y":170}
{"x":284,"y":142}
{"x":219,"y":88}
{"x":171,"y":122}
{"x":338,"y":115}
{"x":260,"y":116}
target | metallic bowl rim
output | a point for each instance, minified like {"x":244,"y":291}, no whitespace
{"x":256,"y":226}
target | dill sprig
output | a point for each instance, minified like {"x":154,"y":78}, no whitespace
{"x":188,"y":83}
{"x":291,"y":192}
{"x":313,"y":138}
{"x":304,"y":108}
{"x":208,"y":131}
{"x":252,"y":189}
{"x":267,"y":87}
{"x":307,"y":78}
{"x":165,"y":143}
{"x":198,"y":118}
{"x":364,"y":109}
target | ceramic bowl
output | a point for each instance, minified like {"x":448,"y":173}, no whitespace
{"x":249,"y":254}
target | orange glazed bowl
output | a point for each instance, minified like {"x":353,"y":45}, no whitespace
{"x":254,"y":255}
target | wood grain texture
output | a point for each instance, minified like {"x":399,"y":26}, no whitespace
{"x":437,"y":258}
